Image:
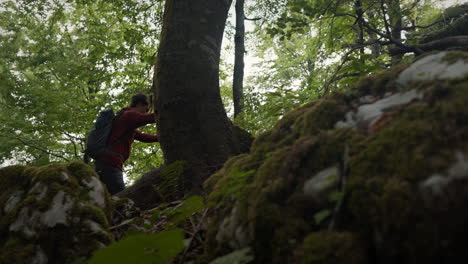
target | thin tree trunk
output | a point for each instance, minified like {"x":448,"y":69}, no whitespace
{"x":238,"y":81}
{"x":396,"y":23}
{"x":360,"y":25}
{"x":375,"y":48}
{"x":193,"y":124}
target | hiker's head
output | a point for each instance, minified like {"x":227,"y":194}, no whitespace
{"x":140,"y":103}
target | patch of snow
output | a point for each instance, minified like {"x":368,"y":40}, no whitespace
{"x":232,"y":231}
{"x":97,"y":191}
{"x":460,"y":168}
{"x":349,"y":122}
{"x":93,"y":226}
{"x":314,"y":187}
{"x":433,"y":67}
{"x":40,"y":190}
{"x":65,"y":176}
{"x":26,"y":222}
{"x":436,"y":185}
{"x":367,"y":114}
{"x":13,"y":201}
{"x":57,"y":214}
{"x":40,"y":257}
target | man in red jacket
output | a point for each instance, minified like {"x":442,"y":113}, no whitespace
{"x":124,"y":132}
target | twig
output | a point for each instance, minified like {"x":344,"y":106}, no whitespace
{"x":193,"y":236}
{"x":343,"y":176}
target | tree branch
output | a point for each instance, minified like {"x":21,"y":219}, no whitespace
{"x":440,"y":44}
{"x":252,"y":19}
{"x":29,"y":144}
{"x":393,"y":40}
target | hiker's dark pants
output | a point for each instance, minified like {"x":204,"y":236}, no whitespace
{"x":112,"y":177}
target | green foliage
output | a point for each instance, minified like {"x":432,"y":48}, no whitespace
{"x":241,"y":256}
{"x":176,"y":215}
{"x":311,"y":48}
{"x":63,"y":62}
{"x":159,"y":248}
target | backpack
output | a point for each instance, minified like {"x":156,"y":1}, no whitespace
{"x":96,"y":143}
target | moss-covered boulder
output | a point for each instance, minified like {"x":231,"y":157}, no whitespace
{"x":378,"y":174}
{"x":52,"y":214}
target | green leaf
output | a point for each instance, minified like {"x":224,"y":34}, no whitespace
{"x":322,"y":215}
{"x":159,"y":248}
{"x":241,"y":256}
{"x":335,"y":196}
{"x":192,"y":205}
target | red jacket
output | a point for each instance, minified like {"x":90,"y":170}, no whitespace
{"x":126,"y":124}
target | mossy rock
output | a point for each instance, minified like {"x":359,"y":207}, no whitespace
{"x":383,"y":165}
{"x":52,"y":214}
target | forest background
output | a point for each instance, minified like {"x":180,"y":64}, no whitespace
{"x":63,"y":61}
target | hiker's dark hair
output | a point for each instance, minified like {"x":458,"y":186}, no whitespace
{"x":139,"y":98}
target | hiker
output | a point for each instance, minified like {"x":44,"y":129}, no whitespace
{"x":124,"y":132}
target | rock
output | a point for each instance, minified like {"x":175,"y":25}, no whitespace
{"x":398,"y":143}
{"x":434,"y":67}
{"x":52,"y":214}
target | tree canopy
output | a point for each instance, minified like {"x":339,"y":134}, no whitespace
{"x":64,"y":61}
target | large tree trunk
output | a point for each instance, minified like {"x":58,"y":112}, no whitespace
{"x":238,"y":80}
{"x":193,"y":124}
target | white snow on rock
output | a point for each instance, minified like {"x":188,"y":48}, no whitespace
{"x":13,"y":201}
{"x":97,"y":191}
{"x":39,"y":189}
{"x":318,"y":184}
{"x":59,"y":210}
{"x":436,"y":185}
{"x":65,"y":176}
{"x":231,"y":230}
{"x":26,"y":222}
{"x":367,"y":114}
{"x":40,"y":257}
{"x":93,"y":226}
{"x":433,"y":67}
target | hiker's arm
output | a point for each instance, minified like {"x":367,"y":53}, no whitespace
{"x":135,"y":119}
{"x":143,"y":137}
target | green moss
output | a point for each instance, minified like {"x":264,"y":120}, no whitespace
{"x":171,"y":179}
{"x":81,"y":170}
{"x":50,"y":173}
{"x":233,"y":184}
{"x":211,"y":182}
{"x":454,"y":56}
{"x":332,"y":248}
{"x":385,"y":165}
{"x":16,"y":250}
{"x":94,"y":213}
{"x":322,"y":116}
{"x":18,"y":176}
{"x":377,"y":83}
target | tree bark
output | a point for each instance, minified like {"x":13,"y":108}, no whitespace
{"x":396,"y":22}
{"x":376,"y":47}
{"x":238,"y":81}
{"x":360,"y":26}
{"x":193,"y":124}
